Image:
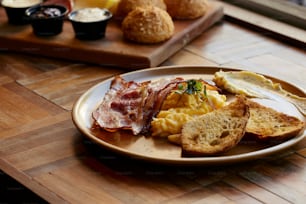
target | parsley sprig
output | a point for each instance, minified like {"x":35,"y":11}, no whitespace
{"x":193,"y":87}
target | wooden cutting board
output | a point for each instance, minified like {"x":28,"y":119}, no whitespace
{"x":112,"y":50}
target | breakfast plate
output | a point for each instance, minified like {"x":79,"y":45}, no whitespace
{"x":159,"y":149}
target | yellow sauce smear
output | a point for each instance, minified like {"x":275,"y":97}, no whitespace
{"x":255,"y":85}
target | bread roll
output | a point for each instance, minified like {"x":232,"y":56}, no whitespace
{"x":126,"y":6}
{"x":148,"y":24}
{"x":186,"y":9}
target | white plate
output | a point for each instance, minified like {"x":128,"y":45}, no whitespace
{"x":159,"y":150}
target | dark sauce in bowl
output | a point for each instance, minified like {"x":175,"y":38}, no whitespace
{"x":47,"y":20}
{"x":46,"y":12}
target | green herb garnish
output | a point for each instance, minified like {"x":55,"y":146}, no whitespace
{"x":193,"y":87}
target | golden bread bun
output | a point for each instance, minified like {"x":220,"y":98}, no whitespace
{"x":126,"y":6}
{"x":148,"y":25}
{"x":186,"y":9}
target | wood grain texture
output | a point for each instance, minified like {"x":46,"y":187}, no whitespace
{"x":41,"y":148}
{"x":17,"y":114}
{"x":72,"y":80}
{"x":280,"y":10}
{"x":281,"y":30}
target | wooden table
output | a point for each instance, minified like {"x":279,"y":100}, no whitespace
{"x":42,"y":149}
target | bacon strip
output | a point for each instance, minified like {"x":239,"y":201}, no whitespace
{"x":157,"y":93}
{"x":121,"y":106}
{"x":131,"y":105}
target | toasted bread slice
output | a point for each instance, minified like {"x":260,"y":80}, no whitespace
{"x":216,"y":132}
{"x":268,"y":124}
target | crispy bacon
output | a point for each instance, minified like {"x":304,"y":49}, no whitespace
{"x":157,"y":92}
{"x":121,"y":106}
{"x":131,"y":105}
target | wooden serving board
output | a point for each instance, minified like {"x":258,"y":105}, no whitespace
{"x":112,"y":50}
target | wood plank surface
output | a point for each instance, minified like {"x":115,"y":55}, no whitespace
{"x":42,"y":149}
{"x":280,"y":10}
{"x":108,"y":50}
{"x":71,"y":79}
{"x":281,"y":30}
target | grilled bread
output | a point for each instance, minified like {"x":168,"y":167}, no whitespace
{"x":268,"y":124}
{"x":216,"y":132}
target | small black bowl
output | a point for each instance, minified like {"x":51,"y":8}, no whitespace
{"x":16,"y":12}
{"x":93,"y":28}
{"x":47,"y":20}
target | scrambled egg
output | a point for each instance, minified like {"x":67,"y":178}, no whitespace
{"x":178,"y":108}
